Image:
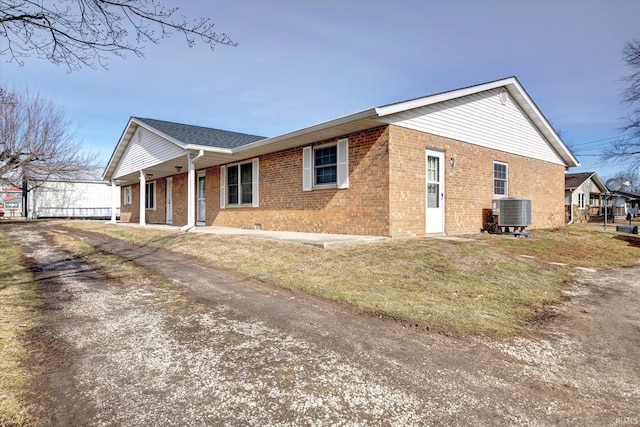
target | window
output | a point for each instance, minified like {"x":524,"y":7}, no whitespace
{"x":500,"y":179}
{"x":433,"y":182}
{"x":326,"y":166}
{"x":240,"y":179}
{"x":239,"y":184}
{"x":127,"y":195}
{"x":580,"y":200}
{"x":150,"y":195}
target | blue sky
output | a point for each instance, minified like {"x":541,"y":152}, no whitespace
{"x":299,"y":63}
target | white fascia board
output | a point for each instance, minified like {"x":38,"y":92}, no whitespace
{"x":541,"y":122}
{"x":207,"y":149}
{"x":515,"y":90}
{"x":367,"y":114}
{"x":601,"y":185}
{"x":441,"y":97}
{"x":164,"y":135}
{"x":117,"y":152}
{"x":125,"y":138}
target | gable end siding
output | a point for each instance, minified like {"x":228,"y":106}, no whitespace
{"x":483,"y":120}
{"x":146,"y":151}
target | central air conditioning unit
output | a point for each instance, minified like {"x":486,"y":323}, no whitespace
{"x":513,"y":212}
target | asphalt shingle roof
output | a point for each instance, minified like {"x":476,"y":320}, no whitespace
{"x":199,"y":135}
{"x":574,"y":180}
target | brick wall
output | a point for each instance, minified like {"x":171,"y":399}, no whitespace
{"x":468,"y":184}
{"x":360,"y":209}
{"x":179,"y":194}
{"x":386,"y":195}
{"x":130,"y":213}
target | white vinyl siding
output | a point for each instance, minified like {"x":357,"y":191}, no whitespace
{"x":483,"y":120}
{"x":145,"y":151}
{"x":326,"y":166}
{"x":240,"y":184}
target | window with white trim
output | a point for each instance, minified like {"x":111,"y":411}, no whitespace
{"x":326,"y":166}
{"x":239,"y":184}
{"x":580,"y":200}
{"x":127,"y":195}
{"x":150,"y":195}
{"x":500,"y":179}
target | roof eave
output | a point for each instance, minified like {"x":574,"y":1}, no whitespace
{"x":543,"y":125}
{"x":516,"y":91}
{"x":363,"y":115}
{"x":117,"y":153}
{"x":208,"y":149}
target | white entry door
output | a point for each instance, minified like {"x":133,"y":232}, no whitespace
{"x":435,"y":192}
{"x":169,"y":200}
{"x":201,"y":200}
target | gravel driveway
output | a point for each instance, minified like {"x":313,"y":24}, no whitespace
{"x":256,"y":355}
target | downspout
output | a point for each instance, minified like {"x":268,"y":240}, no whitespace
{"x":571,"y":204}
{"x":191,"y":192}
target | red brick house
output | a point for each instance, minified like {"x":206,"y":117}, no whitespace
{"x":429,"y":165}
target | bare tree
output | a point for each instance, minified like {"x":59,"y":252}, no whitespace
{"x":35,"y":142}
{"x":80,"y":33}
{"x":627,"y":149}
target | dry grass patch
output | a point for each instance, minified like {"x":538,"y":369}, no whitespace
{"x":577,"y":245}
{"x":19,"y":312}
{"x":482,"y":286}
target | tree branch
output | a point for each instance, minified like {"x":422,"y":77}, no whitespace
{"x":86,"y":32}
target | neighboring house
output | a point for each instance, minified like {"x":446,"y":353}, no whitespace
{"x":429,"y":165}
{"x":625,"y":202}
{"x":70,"y":197}
{"x":11,"y":201}
{"x":584,"y":196}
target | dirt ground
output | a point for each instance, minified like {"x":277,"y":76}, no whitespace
{"x":256,"y":355}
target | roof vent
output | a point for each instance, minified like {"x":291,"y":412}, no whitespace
{"x":504,"y":96}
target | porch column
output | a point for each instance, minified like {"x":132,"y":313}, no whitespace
{"x":115,"y":194}
{"x":143,"y":188}
{"x":191,"y":190}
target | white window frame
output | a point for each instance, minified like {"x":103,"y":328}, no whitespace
{"x":127,"y":195}
{"x":150,"y":195}
{"x":506,"y":180}
{"x":255,"y":185}
{"x":342,"y":166}
{"x":581,"y":198}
